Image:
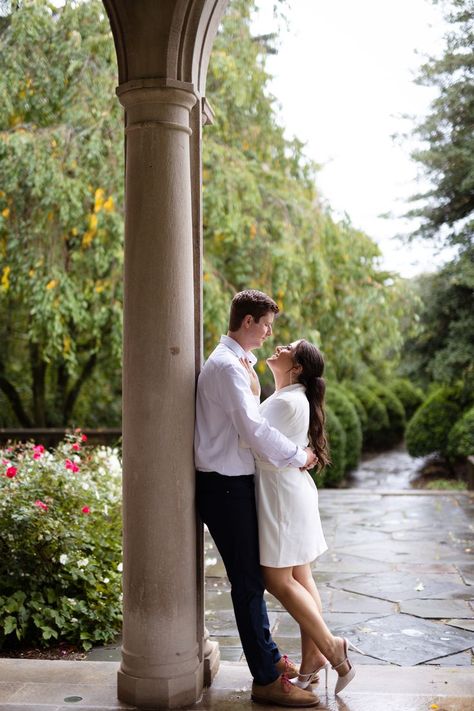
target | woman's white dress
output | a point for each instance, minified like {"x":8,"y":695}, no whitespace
{"x":290,"y":531}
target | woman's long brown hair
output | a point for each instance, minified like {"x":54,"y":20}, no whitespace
{"x":312,"y":363}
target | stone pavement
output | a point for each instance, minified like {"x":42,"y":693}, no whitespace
{"x":38,"y":685}
{"x":398,"y":580}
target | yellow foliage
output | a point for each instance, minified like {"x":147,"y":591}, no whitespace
{"x":99,"y":199}
{"x":52,"y":284}
{"x":22,"y":94}
{"x":109,"y":204}
{"x":253,"y":231}
{"x":66,"y":345}
{"x":100,"y":286}
{"x":93,"y":222}
{"x":279,"y":303}
{"x":15,"y":120}
{"x":50,"y":216}
{"x":31,"y":273}
{"x":53,"y":143}
{"x":87,"y":239}
{"x":6,"y":213}
{"x":74,"y":231}
{"x":261,"y":367}
{"x":6,"y":278}
{"x":206,"y":276}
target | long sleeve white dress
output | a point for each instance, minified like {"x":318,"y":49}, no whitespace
{"x":290,"y":531}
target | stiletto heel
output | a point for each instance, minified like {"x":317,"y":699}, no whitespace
{"x":354,"y":648}
{"x":304,"y":680}
{"x":343,"y":681}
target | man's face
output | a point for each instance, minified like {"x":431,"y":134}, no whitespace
{"x":259,"y":331}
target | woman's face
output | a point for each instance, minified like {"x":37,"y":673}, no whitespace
{"x":282,"y":361}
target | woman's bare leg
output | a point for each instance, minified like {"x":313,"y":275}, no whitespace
{"x":311,"y":656}
{"x":302,"y":606}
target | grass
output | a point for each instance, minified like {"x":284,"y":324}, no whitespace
{"x":447,"y":484}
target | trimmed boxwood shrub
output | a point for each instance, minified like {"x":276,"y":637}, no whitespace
{"x":396,"y":416}
{"x":333,"y":474}
{"x":60,"y":544}
{"x":409,"y":395}
{"x":461,"y":437}
{"x":347,"y":416}
{"x":361,"y":413}
{"x":377,"y":418}
{"x":429,"y":428}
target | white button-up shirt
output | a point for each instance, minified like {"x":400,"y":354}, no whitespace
{"x":227,"y":413}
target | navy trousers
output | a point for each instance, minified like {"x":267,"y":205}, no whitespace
{"x":226,"y":504}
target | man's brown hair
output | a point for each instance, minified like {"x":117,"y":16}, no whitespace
{"x":249,"y":302}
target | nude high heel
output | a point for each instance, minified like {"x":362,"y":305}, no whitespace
{"x":312,"y":677}
{"x":343,"y":681}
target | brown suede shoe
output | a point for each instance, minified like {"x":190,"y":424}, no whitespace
{"x":282,"y":692}
{"x":287,"y":667}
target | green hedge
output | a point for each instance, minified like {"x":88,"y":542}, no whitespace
{"x":392,"y":434}
{"x":409,"y":395}
{"x":429,"y":428}
{"x":360,"y":409}
{"x":346,"y":413}
{"x":377,"y":417}
{"x":461,"y":437}
{"x":60,"y":548}
{"x":333,"y":474}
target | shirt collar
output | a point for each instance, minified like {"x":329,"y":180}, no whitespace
{"x":237,"y":349}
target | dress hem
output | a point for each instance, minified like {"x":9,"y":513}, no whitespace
{"x":292,"y":565}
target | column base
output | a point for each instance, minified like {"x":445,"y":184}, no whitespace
{"x":158,"y":693}
{"x":212,"y":658}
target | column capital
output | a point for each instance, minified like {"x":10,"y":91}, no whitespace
{"x":154,"y":103}
{"x":157,"y":90}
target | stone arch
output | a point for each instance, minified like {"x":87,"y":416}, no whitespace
{"x":163,"y":50}
{"x":171,"y":40}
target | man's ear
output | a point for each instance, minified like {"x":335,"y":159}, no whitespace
{"x":247,"y":320}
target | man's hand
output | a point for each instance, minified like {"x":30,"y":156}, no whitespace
{"x":253,"y":377}
{"x":311,"y":459}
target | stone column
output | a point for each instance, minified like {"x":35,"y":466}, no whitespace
{"x":161,"y":654}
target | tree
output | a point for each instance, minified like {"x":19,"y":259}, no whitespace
{"x":265,"y":226}
{"x":61,"y":172}
{"x":442,"y":349}
{"x":447,"y":157}
{"x":61,"y":177}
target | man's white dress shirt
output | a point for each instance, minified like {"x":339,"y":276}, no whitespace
{"x":227,"y":415}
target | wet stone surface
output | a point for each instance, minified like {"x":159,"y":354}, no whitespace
{"x":398,"y":579}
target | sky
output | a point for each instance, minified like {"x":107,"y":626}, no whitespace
{"x":344,"y":78}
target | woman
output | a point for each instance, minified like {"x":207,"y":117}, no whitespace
{"x":290,"y":532}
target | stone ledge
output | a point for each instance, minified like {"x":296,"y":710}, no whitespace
{"x":42,"y":685}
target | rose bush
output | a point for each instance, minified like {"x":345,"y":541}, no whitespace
{"x":60,"y":543}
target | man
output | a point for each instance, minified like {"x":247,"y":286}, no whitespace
{"x":226,"y":412}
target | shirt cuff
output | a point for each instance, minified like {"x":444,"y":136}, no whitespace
{"x":299,"y":460}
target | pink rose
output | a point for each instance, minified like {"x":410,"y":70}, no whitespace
{"x":85,"y":510}
{"x":38,"y":451}
{"x":76,"y":447}
{"x":83,"y":438}
{"x":72,"y":466}
{"x":41,"y":505}
{"x":11,"y":472}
